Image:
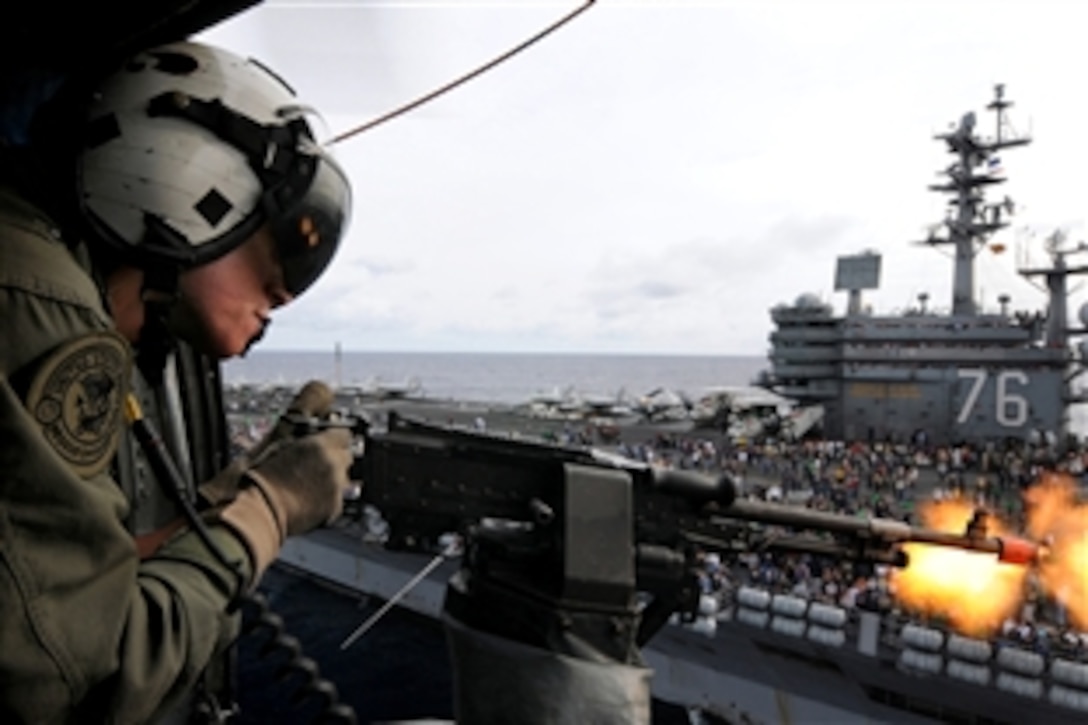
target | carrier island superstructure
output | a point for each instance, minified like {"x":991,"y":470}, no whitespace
{"x":962,"y":376}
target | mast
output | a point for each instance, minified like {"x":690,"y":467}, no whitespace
{"x":1058,"y":329}
{"x":1057,"y":287}
{"x":971,"y":219}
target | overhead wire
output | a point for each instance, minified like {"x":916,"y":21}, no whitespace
{"x":461,"y":80}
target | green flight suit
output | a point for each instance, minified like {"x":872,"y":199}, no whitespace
{"x":88,"y":631}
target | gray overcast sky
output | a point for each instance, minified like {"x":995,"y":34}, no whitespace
{"x":656,"y":175}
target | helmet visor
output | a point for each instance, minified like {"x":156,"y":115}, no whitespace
{"x":308,"y":230}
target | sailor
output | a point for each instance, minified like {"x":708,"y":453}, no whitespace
{"x":186,"y":198}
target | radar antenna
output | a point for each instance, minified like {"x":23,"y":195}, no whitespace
{"x":971,"y":220}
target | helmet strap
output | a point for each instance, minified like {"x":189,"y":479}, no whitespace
{"x":155,"y":343}
{"x":159,"y":295}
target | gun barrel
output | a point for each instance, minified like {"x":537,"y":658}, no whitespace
{"x":771,"y":513}
{"x":1009,"y":549}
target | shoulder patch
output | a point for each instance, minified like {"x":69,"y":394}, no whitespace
{"x":77,"y":398}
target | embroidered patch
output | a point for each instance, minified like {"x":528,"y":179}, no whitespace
{"x":77,"y":398}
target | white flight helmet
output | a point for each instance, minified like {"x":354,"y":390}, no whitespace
{"x":190,"y":149}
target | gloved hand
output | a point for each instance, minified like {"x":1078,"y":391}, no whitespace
{"x":297,"y":485}
{"x":305,"y":480}
{"x":313,"y":401}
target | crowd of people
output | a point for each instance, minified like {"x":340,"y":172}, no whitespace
{"x":877,"y":480}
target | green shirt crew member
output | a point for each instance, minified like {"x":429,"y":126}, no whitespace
{"x":200,"y":202}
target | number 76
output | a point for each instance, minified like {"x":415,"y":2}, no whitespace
{"x":1010,"y":409}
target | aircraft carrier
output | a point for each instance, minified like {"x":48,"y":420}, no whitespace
{"x":966,"y":375}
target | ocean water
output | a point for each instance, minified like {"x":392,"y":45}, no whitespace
{"x":500,"y":377}
{"x":517,"y":377}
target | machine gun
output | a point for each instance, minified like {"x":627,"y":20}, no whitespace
{"x":574,"y":558}
{"x":579,"y":540}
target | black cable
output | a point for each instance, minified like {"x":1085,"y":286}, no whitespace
{"x":297,"y":666}
{"x":262,"y":620}
{"x":173,"y":485}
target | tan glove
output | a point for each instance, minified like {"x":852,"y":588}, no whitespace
{"x":314,"y":400}
{"x":298,"y":485}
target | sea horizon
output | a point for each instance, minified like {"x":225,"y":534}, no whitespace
{"x":616,"y":353}
{"x":499,"y":376}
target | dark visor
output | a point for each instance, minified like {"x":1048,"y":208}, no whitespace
{"x":308,"y":230}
